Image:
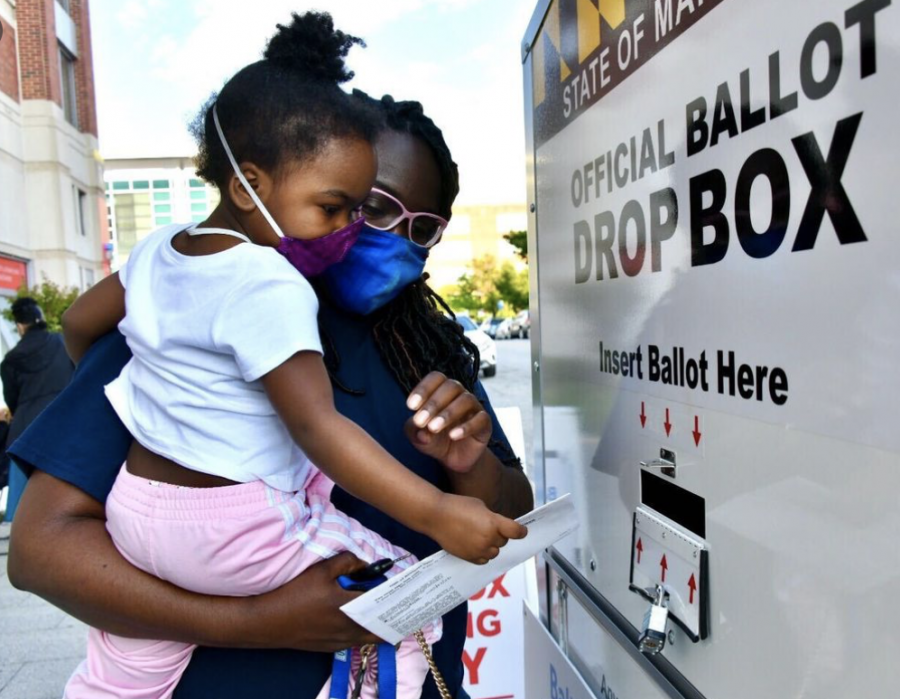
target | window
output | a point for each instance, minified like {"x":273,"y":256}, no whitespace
{"x":142,"y":184}
{"x":160,"y":184}
{"x":87,"y":278}
{"x":163,"y":220}
{"x":198,"y":194}
{"x":466,"y":323}
{"x":67,"y":79}
{"x":162,"y":208}
{"x":162,"y":196}
{"x":80,"y":210}
{"x":120,"y":185}
{"x":64,"y":4}
{"x":198,"y":218}
{"x":197,"y":183}
{"x":198,"y":207}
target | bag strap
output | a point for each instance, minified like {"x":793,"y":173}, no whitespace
{"x":438,"y":677}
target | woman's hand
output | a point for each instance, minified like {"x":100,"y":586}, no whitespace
{"x":450,"y":424}
{"x":305,"y":613}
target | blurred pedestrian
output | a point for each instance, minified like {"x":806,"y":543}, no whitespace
{"x":34,"y":372}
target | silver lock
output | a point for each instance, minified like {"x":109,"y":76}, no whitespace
{"x":653,"y":637}
{"x":665,"y":463}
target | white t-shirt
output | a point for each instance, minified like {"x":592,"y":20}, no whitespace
{"x":203,"y":330}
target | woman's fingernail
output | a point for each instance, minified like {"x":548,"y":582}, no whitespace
{"x":415,"y":400}
{"x":457,"y":433}
{"x":436,"y":424}
{"x":421,"y":418}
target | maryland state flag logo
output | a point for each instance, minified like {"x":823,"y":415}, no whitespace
{"x":585,"y":48}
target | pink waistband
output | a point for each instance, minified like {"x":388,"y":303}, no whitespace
{"x":167,"y":501}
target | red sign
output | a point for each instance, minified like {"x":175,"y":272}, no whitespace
{"x":13,"y":273}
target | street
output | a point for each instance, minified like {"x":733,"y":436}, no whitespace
{"x":41,"y":644}
{"x":511,"y":387}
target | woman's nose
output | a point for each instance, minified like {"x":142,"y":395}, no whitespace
{"x":402,"y":228}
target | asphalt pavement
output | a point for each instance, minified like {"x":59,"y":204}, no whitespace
{"x":511,"y":387}
{"x":41,"y":645}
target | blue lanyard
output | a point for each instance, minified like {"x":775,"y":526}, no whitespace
{"x":387,"y":673}
{"x":387,"y":655}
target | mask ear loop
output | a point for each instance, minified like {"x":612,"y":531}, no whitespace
{"x":240,"y":175}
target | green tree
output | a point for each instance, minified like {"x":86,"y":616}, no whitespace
{"x":513,"y":286}
{"x":53,"y":299}
{"x":476,"y":291}
{"x":482,"y":288}
{"x":519,"y":240}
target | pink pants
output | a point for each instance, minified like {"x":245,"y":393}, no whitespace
{"x":238,"y":540}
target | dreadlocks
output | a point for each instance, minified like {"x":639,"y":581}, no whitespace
{"x":417,"y":332}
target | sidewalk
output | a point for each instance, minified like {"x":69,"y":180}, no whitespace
{"x":39,"y":644}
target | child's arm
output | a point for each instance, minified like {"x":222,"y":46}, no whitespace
{"x":301,"y":392}
{"x":96,"y":312}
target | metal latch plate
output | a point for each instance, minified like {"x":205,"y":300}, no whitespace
{"x":664,"y":553}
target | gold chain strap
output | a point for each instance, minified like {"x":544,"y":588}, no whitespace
{"x":438,"y":678}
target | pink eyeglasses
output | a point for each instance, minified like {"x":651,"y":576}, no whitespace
{"x":384,"y":212}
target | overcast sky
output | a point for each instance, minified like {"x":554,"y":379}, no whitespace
{"x":156,"y":61}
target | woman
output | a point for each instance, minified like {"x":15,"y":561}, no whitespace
{"x":378,"y":351}
{"x":34,"y":372}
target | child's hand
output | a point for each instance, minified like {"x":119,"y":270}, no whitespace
{"x":466,"y":528}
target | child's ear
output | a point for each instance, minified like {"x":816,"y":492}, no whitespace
{"x":257,"y":179}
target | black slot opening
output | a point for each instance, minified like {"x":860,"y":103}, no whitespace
{"x":676,"y":503}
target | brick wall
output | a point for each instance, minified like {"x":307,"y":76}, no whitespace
{"x":84,"y":68}
{"x":9,"y":64}
{"x":38,"y":50}
{"x":39,"y":57}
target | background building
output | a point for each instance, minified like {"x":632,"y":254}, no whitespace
{"x":475,"y":231}
{"x":52,"y":218}
{"x":143,"y":194}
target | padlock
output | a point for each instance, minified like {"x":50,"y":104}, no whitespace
{"x":653,"y":637}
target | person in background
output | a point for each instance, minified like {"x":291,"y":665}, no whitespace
{"x":5,"y":417}
{"x":34,"y":372}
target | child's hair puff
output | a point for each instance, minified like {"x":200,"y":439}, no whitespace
{"x":287,"y":107}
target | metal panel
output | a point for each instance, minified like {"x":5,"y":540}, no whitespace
{"x":801,"y":494}
{"x":534,"y":26}
{"x":606,"y":617}
{"x":534,"y":282}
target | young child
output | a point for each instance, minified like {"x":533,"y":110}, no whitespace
{"x":227,"y":383}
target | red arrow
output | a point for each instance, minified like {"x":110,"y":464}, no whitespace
{"x":667,"y":423}
{"x":640,"y":550}
{"x":665,"y":567}
{"x":692,"y":584}
{"x":697,"y":433}
{"x":643,"y":416}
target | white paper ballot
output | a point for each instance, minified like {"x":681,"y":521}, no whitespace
{"x":432,"y":587}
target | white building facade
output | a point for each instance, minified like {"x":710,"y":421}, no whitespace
{"x":52,"y":222}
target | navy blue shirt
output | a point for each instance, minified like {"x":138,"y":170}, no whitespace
{"x":80,"y":440}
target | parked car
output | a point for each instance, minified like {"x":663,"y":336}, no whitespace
{"x":487,"y":348}
{"x":489,"y":326}
{"x":521,"y":325}
{"x":503,"y":329}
